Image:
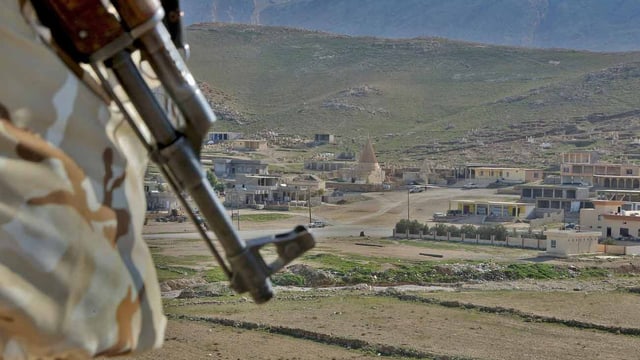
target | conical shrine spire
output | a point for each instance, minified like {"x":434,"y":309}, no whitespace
{"x":368,"y":156}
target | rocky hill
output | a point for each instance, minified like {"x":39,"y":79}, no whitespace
{"x":597,"y":25}
{"x":426,"y":98}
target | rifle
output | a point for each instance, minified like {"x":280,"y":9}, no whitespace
{"x":88,"y":32}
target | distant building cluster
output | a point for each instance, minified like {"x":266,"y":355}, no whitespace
{"x":588,"y":194}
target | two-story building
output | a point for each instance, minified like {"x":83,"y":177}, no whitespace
{"x":553,"y":197}
{"x":230,"y":168}
{"x":251,"y":190}
{"x":585,"y":168}
{"x":611,"y":219}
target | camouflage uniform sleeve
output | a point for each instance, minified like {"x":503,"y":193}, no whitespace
{"x":76,"y":278}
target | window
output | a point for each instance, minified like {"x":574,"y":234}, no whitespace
{"x":553,"y":244}
{"x":624,"y":232}
{"x":629,"y":171}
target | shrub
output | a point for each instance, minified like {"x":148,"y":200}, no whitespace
{"x":453,"y":230}
{"x":469,"y":231}
{"x":414,"y":226}
{"x":441,"y":229}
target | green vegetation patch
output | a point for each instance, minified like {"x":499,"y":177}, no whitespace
{"x":535,"y":271}
{"x":173,"y":272}
{"x":343,"y":265}
{"x":264,"y":217}
{"x":215,"y":274}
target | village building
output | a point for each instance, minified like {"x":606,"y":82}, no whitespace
{"x":507,"y":175}
{"x":249,"y":145}
{"x":307,"y":182}
{"x":620,"y":194}
{"x":158,"y":195}
{"x":500,"y":210}
{"x":252,"y":190}
{"x":230,"y":168}
{"x":322,"y":165}
{"x":367,"y":170}
{"x":554,"y":197}
{"x":214,"y":137}
{"x":161,"y":200}
{"x":565,"y":243}
{"x":585,"y":168}
{"x":320,"y":139}
{"x":610,"y":218}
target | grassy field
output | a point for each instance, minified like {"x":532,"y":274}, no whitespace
{"x":576,"y":308}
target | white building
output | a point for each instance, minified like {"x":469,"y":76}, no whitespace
{"x":565,"y":243}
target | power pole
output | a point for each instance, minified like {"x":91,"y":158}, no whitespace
{"x":238,"y":208}
{"x":408,"y":210}
{"x":309,"y":202}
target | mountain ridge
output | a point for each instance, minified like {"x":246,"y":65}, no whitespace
{"x":572,"y":24}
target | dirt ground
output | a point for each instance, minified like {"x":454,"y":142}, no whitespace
{"x":576,"y":319}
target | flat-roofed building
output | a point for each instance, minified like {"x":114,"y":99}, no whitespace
{"x":565,"y":243}
{"x":230,"y":168}
{"x":250,"y":145}
{"x":610,"y":218}
{"x":602,"y":175}
{"x":570,"y":198}
{"x":506,"y":174}
{"x":324,"y":139}
{"x":503,"y":209}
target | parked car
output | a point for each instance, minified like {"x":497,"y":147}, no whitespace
{"x":416,"y":189}
{"x":317,"y":224}
{"x":470,"y":186}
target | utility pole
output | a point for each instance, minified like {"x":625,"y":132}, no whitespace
{"x":408,"y":210}
{"x":309,"y":202}
{"x":238,"y":208}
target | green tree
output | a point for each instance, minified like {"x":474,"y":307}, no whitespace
{"x":453,"y":230}
{"x":469,"y":231}
{"x":213,"y":180}
{"x":414,"y":226}
{"x":440,"y":229}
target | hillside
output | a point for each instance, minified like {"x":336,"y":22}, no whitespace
{"x":596,"y":25}
{"x":418,"y":98}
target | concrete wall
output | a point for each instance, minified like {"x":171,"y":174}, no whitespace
{"x":518,"y":242}
{"x":632,"y":250}
{"x":525,"y":243}
{"x":619,"y":249}
{"x":611,"y":249}
{"x":345,"y":186}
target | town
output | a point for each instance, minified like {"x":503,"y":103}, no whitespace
{"x":588,"y":207}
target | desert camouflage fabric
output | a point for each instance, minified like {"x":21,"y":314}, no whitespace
{"x":76,"y":278}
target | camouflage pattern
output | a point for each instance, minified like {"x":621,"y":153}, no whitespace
{"x":76,"y":278}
